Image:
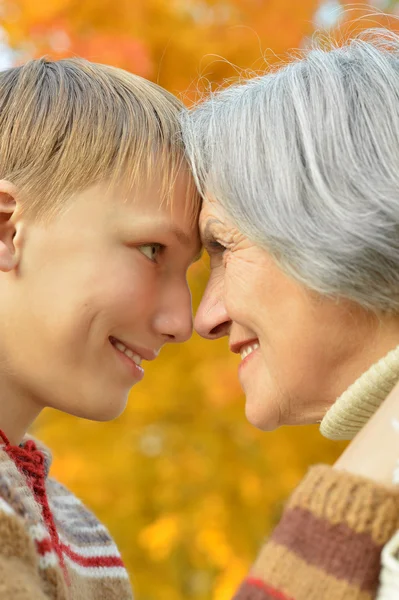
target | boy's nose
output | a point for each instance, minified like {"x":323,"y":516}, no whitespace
{"x":175,"y":321}
{"x":176,"y":329}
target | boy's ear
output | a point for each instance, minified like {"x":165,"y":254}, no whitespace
{"x":8,"y":206}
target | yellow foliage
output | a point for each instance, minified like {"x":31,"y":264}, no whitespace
{"x":212,"y":542}
{"x":229,"y":579}
{"x":159,"y":538}
{"x":170,"y":42}
{"x":251,"y":488}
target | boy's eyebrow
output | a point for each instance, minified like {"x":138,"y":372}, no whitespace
{"x":186,"y":240}
{"x":181,"y":236}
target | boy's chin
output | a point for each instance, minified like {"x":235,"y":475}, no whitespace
{"x":103,"y":409}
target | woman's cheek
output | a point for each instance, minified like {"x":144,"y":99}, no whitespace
{"x":238,"y":278}
{"x":236,"y":295}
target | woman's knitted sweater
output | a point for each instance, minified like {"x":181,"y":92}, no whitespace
{"x":328,"y":543}
{"x":52,"y":547}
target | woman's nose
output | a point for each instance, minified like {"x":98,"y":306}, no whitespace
{"x":212,"y":320}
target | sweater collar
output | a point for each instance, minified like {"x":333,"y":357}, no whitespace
{"x":359,"y":402}
{"x":29,"y":452}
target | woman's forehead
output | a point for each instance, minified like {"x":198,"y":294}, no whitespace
{"x":212,"y":212}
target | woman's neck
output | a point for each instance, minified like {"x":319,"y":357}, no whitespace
{"x":359,"y":402}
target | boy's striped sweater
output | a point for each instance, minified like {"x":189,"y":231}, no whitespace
{"x":52,"y":547}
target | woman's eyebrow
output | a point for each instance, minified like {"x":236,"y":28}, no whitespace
{"x":206,"y":234}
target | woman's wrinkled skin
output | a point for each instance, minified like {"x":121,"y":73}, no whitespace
{"x":311,"y":348}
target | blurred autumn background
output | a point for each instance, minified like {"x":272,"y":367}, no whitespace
{"x":187,"y":487}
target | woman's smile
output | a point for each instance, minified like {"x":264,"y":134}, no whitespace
{"x":247,"y":355}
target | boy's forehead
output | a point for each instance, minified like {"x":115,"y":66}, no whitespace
{"x":147,"y":208}
{"x":163,"y":190}
{"x":161,"y":217}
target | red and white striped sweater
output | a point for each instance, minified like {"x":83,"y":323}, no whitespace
{"x":52,"y":547}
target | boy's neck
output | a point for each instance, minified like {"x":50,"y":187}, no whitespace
{"x":17,"y":412}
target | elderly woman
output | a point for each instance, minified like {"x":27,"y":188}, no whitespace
{"x":299,"y":171}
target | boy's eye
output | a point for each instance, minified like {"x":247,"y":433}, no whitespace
{"x":151,"y":251}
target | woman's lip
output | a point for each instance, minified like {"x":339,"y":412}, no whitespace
{"x":236,"y":346}
{"x":245,"y":361}
{"x":135,"y":370}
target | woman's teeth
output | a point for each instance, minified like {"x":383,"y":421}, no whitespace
{"x":129,"y":353}
{"x":247,"y":350}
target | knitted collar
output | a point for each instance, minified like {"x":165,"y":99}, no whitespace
{"x":30,"y":451}
{"x":359,"y":402}
{"x":33,"y":461}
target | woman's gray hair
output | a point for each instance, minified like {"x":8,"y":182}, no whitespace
{"x":305,"y":161}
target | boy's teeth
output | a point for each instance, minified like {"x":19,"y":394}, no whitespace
{"x":135,"y":357}
{"x":120,"y":346}
{"x":129,"y":353}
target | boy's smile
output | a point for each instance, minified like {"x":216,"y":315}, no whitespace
{"x":95,"y":292}
{"x":132,"y":357}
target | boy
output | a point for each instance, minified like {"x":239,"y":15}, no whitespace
{"x":97,"y":230}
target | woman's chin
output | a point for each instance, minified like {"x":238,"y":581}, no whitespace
{"x":262,"y":415}
{"x":268,"y":415}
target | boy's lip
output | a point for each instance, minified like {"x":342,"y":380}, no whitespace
{"x":145,"y":353}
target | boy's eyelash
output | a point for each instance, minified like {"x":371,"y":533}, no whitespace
{"x":160,"y":250}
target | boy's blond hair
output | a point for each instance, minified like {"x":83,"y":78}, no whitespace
{"x":68,"y":124}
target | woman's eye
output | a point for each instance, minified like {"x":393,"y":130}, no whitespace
{"x":151,"y":251}
{"x":215,"y":247}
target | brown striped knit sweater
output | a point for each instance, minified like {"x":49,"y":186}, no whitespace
{"x":51,"y":546}
{"x":328,"y":543}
